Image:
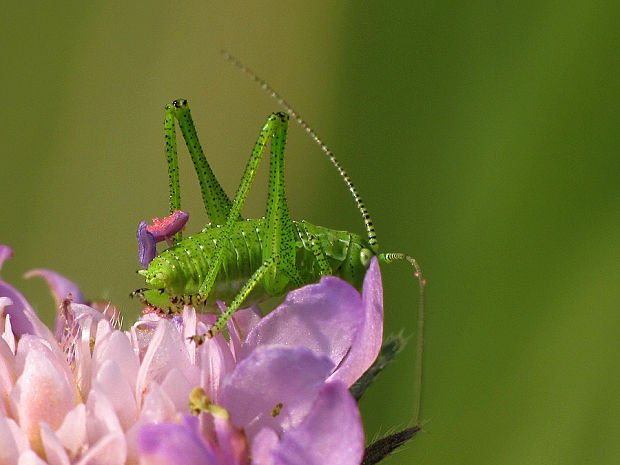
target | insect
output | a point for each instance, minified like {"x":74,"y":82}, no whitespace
{"x":244,"y":261}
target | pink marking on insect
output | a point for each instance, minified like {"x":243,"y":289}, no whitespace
{"x":166,"y":228}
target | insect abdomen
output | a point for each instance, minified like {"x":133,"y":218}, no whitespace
{"x":183,"y":267}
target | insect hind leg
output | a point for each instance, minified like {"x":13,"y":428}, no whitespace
{"x":217,"y":204}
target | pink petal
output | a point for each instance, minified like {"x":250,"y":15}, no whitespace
{"x":5,"y":253}
{"x":119,"y":392}
{"x":20,"y":438}
{"x":216,"y":361}
{"x":271,"y":376}
{"x":51,"y":352}
{"x":72,"y":433}
{"x":322,"y":317}
{"x":157,"y":406}
{"x":369,"y":337}
{"x":246,"y":319}
{"x":83,"y":365}
{"x":331,"y":433}
{"x":263,"y":446}
{"x":190,"y":327}
{"x":23,"y":318}
{"x":80,"y":310}
{"x":232,"y":445}
{"x":104,"y":329}
{"x":8,"y":336}
{"x":30,"y":458}
{"x":60,"y":286}
{"x":7,"y":374}
{"x":39,"y":382}
{"x":110,"y":450}
{"x":101,"y":418}
{"x":116,"y":347}
{"x":174,"y":444}
{"x":178,"y":388}
{"x":55,"y":453}
{"x":166,"y":351}
{"x":234,"y":335}
{"x":329,"y":318}
{"x":9,"y":451}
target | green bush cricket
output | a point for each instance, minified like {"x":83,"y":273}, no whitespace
{"x":244,"y":261}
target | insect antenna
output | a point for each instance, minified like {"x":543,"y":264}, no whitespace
{"x":389,"y":258}
{"x":370,"y":229}
{"x":372,"y":237}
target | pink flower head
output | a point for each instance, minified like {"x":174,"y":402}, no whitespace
{"x":275,"y":392}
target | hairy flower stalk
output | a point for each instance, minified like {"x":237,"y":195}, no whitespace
{"x":275,"y":391}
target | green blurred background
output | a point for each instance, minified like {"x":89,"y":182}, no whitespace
{"x":483,"y":137}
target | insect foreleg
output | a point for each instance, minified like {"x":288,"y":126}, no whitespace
{"x":245,"y":291}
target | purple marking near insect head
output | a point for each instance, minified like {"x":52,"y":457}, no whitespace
{"x":161,"y":229}
{"x":146,"y":245}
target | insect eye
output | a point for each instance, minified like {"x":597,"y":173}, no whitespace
{"x":365,"y":256}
